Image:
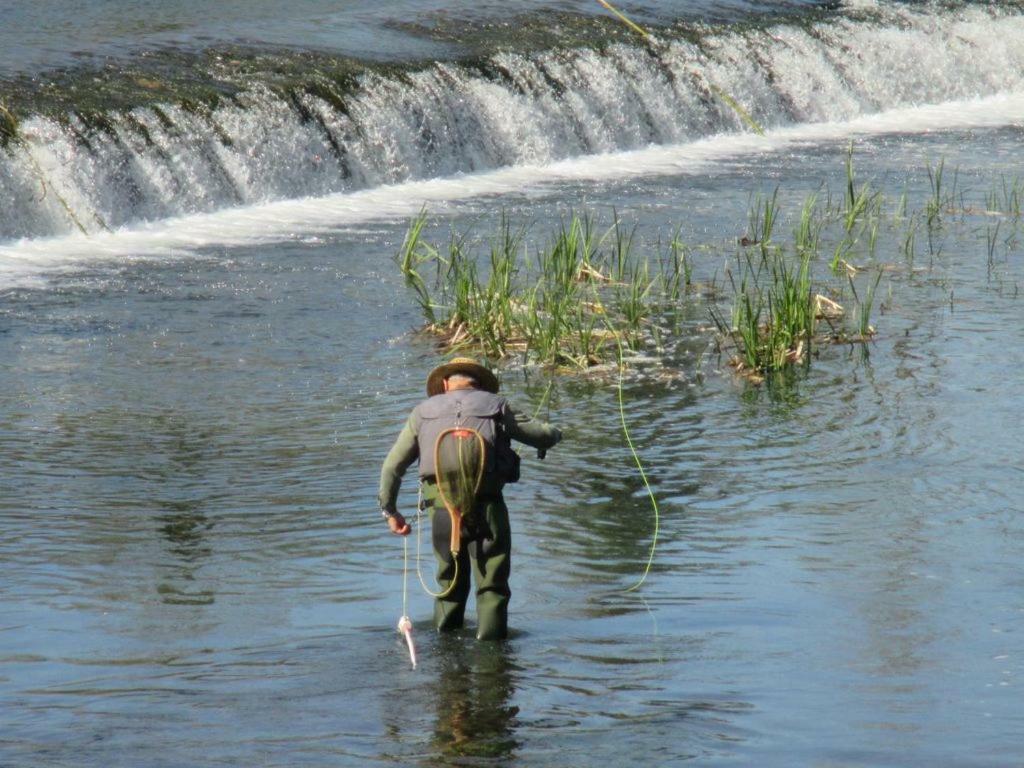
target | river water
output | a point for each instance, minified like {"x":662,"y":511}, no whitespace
{"x":194,"y":405}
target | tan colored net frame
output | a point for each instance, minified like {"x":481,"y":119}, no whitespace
{"x":458,"y":483}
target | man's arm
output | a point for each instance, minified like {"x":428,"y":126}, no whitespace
{"x":402,"y":454}
{"x":524,"y":429}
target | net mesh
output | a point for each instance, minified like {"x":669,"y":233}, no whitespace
{"x":459,"y":458}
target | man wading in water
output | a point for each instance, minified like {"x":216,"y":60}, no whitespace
{"x":466,"y":427}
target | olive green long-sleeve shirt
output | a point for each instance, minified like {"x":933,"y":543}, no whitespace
{"x":518,"y":426}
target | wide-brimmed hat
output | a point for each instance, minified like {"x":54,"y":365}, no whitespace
{"x":485,"y":379}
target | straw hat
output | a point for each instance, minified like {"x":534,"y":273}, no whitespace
{"x":485,"y":379}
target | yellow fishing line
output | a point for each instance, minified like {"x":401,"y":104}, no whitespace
{"x":639,"y":466}
{"x":729,"y":100}
{"x":735,"y":105}
{"x":544,"y":397}
{"x":625,"y":19}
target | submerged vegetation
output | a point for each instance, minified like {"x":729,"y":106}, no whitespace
{"x":577,"y":298}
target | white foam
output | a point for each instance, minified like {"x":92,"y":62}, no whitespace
{"x":27,"y":260}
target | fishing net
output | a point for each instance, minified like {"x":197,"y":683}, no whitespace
{"x":459,"y":458}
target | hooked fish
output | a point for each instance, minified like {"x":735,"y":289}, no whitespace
{"x":405,"y":628}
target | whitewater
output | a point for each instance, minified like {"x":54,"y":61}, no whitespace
{"x":28,"y":260}
{"x":470,"y":127}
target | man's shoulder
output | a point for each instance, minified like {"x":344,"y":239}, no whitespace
{"x":436,"y":404}
{"x":429,"y":402}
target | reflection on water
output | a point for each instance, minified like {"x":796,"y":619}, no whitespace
{"x":473,"y":690}
{"x":184,"y":525}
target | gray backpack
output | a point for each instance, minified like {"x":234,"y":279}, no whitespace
{"x":472,"y":409}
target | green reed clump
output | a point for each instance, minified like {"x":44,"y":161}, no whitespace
{"x":992,"y":239}
{"x":631,"y":303}
{"x":773,"y":312}
{"x":458,"y":301}
{"x":676,"y":268}
{"x":865,"y":305}
{"x":761,"y":220}
{"x":560,"y":308}
{"x":860,"y":202}
{"x":910,"y":239}
{"x":942,"y":198}
{"x":413,"y":253}
{"x":587,"y":291}
{"x":807,"y":235}
{"x":859,"y":214}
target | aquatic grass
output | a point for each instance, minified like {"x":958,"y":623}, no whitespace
{"x":939,"y":201}
{"x":413,"y":253}
{"x":860,"y":202}
{"x":676,"y":269}
{"x":859,"y":214}
{"x":840,"y":255}
{"x":588,"y":341}
{"x":933,"y":207}
{"x":900,"y":212}
{"x":992,"y":238}
{"x":745,"y":326}
{"x":622,"y":248}
{"x":762,"y":216}
{"x":807,"y":235}
{"x":548,"y":309}
{"x":1007,"y":198}
{"x":773,"y":315}
{"x":631,"y":302}
{"x":557,"y":302}
{"x":865,"y":305}
{"x":589,"y":282}
{"x":909,"y":238}
{"x":463,"y":308}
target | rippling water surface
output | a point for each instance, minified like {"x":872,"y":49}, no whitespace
{"x":194,"y":408}
{"x":193,"y":571}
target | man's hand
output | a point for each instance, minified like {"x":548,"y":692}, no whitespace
{"x":398,"y":525}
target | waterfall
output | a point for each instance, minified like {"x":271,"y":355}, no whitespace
{"x":385,"y":126}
